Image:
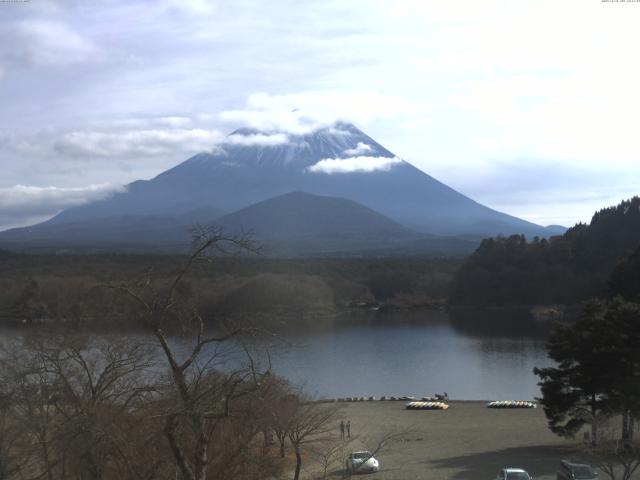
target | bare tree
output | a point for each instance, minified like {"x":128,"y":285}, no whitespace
{"x":32,"y":387}
{"x":11,"y":435}
{"x":99,"y":384}
{"x":310,"y":424}
{"x":194,"y":404}
{"x":617,"y":458}
{"x":329,"y":453}
{"x":203,"y":396}
{"x":281,"y":406}
{"x":75,"y":402}
{"x":383,"y":441}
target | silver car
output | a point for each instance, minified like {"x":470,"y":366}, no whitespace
{"x":361,"y":462}
{"x":513,"y":474}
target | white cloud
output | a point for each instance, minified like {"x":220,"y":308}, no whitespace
{"x":21,"y":144}
{"x":192,"y":7}
{"x":354,"y":164}
{"x":169,"y":121}
{"x":137,"y":142}
{"x":53,"y":197}
{"x":305,"y":112}
{"x":359,"y":149}
{"x":39,"y":42}
{"x":434,"y":81}
{"x":257,"y":139}
{"x":123,"y":139}
{"x":336,"y":130}
{"x":22,"y":204}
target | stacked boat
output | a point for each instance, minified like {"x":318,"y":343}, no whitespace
{"x":511,"y":404}
{"x":426,"y":406}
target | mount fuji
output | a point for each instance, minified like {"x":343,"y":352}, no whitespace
{"x":251,"y":177}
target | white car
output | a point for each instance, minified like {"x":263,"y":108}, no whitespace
{"x":360,"y":462}
{"x":513,"y":474}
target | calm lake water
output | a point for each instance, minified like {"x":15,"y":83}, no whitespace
{"x":418,"y":354}
{"x":471,"y":355}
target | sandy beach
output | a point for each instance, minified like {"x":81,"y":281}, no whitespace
{"x":466,"y":442}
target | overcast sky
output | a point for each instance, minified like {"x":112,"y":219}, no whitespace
{"x":530,"y":107}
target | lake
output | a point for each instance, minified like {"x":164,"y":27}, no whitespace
{"x":471,"y":355}
{"x":417,"y":354}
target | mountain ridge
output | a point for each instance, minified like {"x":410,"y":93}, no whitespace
{"x":296,"y":224}
{"x":337,"y":161}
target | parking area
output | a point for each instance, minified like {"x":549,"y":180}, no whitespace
{"x":466,"y":442}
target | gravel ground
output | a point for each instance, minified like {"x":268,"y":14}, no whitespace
{"x":467,"y":441}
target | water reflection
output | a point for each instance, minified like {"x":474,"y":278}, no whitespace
{"x":498,"y":323}
{"x":475,"y":356}
{"x":417,"y":354}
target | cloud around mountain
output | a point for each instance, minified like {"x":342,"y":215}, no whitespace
{"x":304,"y":112}
{"x":259,"y":139}
{"x":359,"y":149}
{"x":155,"y":137}
{"x":147,"y":142}
{"x":354,"y":164}
{"x":210,"y":184}
{"x":25,"y":204}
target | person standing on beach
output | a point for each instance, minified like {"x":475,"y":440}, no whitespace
{"x":341,"y":429}
{"x":349,"y":428}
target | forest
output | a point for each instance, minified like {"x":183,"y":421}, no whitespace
{"x":295,"y":292}
{"x":589,"y":260}
{"x":567,"y":269}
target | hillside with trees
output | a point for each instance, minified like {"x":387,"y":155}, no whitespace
{"x":561,"y":270}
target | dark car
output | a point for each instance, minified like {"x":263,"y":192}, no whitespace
{"x":575,"y":471}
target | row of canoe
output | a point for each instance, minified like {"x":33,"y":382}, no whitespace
{"x":511,"y":404}
{"x":426,"y":406}
{"x":495,"y":404}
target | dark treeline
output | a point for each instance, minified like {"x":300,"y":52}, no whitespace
{"x":75,"y":288}
{"x":562,"y":270}
{"x":593,"y":388}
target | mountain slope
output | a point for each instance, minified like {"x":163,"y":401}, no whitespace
{"x":117,"y":233}
{"x":299,"y":214}
{"x":240,"y":174}
{"x":250,"y":167}
{"x":299,"y":223}
{"x":290,"y":225}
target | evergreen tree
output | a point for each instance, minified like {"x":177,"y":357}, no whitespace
{"x":598,"y":370}
{"x":574,"y":393}
{"x":624,"y":321}
{"x":625,"y":279}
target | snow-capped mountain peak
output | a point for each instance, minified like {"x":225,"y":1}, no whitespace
{"x":276,"y":149}
{"x":339,"y":160}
